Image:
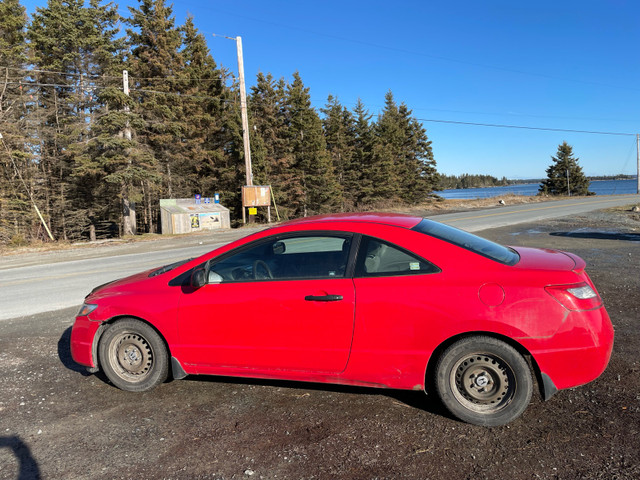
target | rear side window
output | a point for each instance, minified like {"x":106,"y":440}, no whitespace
{"x":377,"y":258}
{"x":468,"y":241}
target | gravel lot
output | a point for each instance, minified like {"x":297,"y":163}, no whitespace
{"x":58,"y":422}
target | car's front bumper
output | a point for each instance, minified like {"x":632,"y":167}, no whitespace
{"x":83,"y":334}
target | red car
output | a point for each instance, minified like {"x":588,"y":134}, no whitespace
{"x":371,"y":299}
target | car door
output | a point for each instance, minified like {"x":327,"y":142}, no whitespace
{"x":395,"y":290}
{"x":284,"y":303}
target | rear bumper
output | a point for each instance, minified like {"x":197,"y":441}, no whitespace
{"x":82,"y":336}
{"x":579,"y":352}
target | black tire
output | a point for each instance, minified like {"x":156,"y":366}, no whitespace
{"x":483,"y":381}
{"x":133,"y":356}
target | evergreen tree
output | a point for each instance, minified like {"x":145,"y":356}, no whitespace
{"x":564,"y":175}
{"x":471,"y":181}
{"x":318,"y":188}
{"x":74,"y":40}
{"x":271,"y":154}
{"x":211,"y":122}
{"x":363,"y":155}
{"x":17,"y":218}
{"x":156,"y":67}
{"x":403,"y":166}
{"x":385,"y":175}
{"x":340,"y":135}
{"x":107,"y":164}
{"x":422,"y":177}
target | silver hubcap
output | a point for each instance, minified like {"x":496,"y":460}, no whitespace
{"x":133,"y":356}
{"x":482,"y":383}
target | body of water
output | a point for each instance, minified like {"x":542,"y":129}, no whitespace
{"x":599,"y":187}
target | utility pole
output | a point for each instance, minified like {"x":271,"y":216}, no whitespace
{"x":568,"y":187}
{"x":243,"y":109}
{"x":638,"y":160}
{"x":243,"y":112}
{"x":128,"y":208}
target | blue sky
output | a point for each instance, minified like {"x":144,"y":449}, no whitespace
{"x":569,"y":65}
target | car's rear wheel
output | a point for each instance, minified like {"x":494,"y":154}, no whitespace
{"x":483,"y":381}
{"x":133,"y":356}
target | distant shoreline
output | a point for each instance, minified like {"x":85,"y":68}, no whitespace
{"x":599,"y":187}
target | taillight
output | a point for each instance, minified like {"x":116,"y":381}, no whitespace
{"x":578,"y":296}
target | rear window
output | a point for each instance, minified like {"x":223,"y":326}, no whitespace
{"x":468,"y":241}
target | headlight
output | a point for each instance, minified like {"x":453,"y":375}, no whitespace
{"x":86,"y":309}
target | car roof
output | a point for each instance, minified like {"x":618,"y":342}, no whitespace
{"x":393,"y":219}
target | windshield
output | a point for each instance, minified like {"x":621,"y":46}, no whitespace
{"x":468,"y":241}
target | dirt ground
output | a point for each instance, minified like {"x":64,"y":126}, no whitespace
{"x":58,"y":422}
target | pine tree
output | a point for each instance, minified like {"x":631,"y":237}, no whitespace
{"x":385,"y":175}
{"x":271,"y":153}
{"x":564,"y":175}
{"x":403,"y":167}
{"x":107,"y":164}
{"x":339,"y":131}
{"x":74,"y":40}
{"x":211,"y":122}
{"x":363,"y":155}
{"x":156,"y":67}
{"x":318,"y":187}
{"x":17,"y":218}
{"x":421,"y":177}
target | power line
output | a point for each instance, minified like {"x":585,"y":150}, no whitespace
{"x":224,"y":75}
{"x":59,"y":85}
{"x":91,"y":87}
{"x":523,"y":127}
{"x":186,"y":95}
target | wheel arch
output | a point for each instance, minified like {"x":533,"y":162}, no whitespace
{"x":106,"y":324}
{"x":544,"y":388}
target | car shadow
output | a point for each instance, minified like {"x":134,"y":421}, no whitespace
{"x":408,"y":398}
{"x":28,"y":468}
{"x":64,"y":353}
{"x":629,"y":237}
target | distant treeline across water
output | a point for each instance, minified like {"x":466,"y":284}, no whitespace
{"x":599,"y":187}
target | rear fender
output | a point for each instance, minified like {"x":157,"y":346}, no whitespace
{"x":545,"y":384}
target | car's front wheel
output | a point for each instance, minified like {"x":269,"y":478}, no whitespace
{"x":133,"y":356}
{"x":483,"y":381}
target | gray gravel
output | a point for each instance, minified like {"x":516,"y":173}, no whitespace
{"x":58,"y":422}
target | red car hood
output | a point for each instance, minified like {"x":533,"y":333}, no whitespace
{"x":546,"y":259}
{"x":115,"y":287}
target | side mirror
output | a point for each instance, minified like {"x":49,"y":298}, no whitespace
{"x":198,"y":278}
{"x":279,"y":248}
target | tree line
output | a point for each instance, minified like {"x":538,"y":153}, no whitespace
{"x":81,"y":150}
{"x":467,"y":180}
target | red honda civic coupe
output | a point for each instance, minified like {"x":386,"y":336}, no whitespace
{"x":372,"y":299}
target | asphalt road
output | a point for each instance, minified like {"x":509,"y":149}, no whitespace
{"x":38,"y":283}
{"x":510,"y":215}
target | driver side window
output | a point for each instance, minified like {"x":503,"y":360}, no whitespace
{"x":284,"y":258}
